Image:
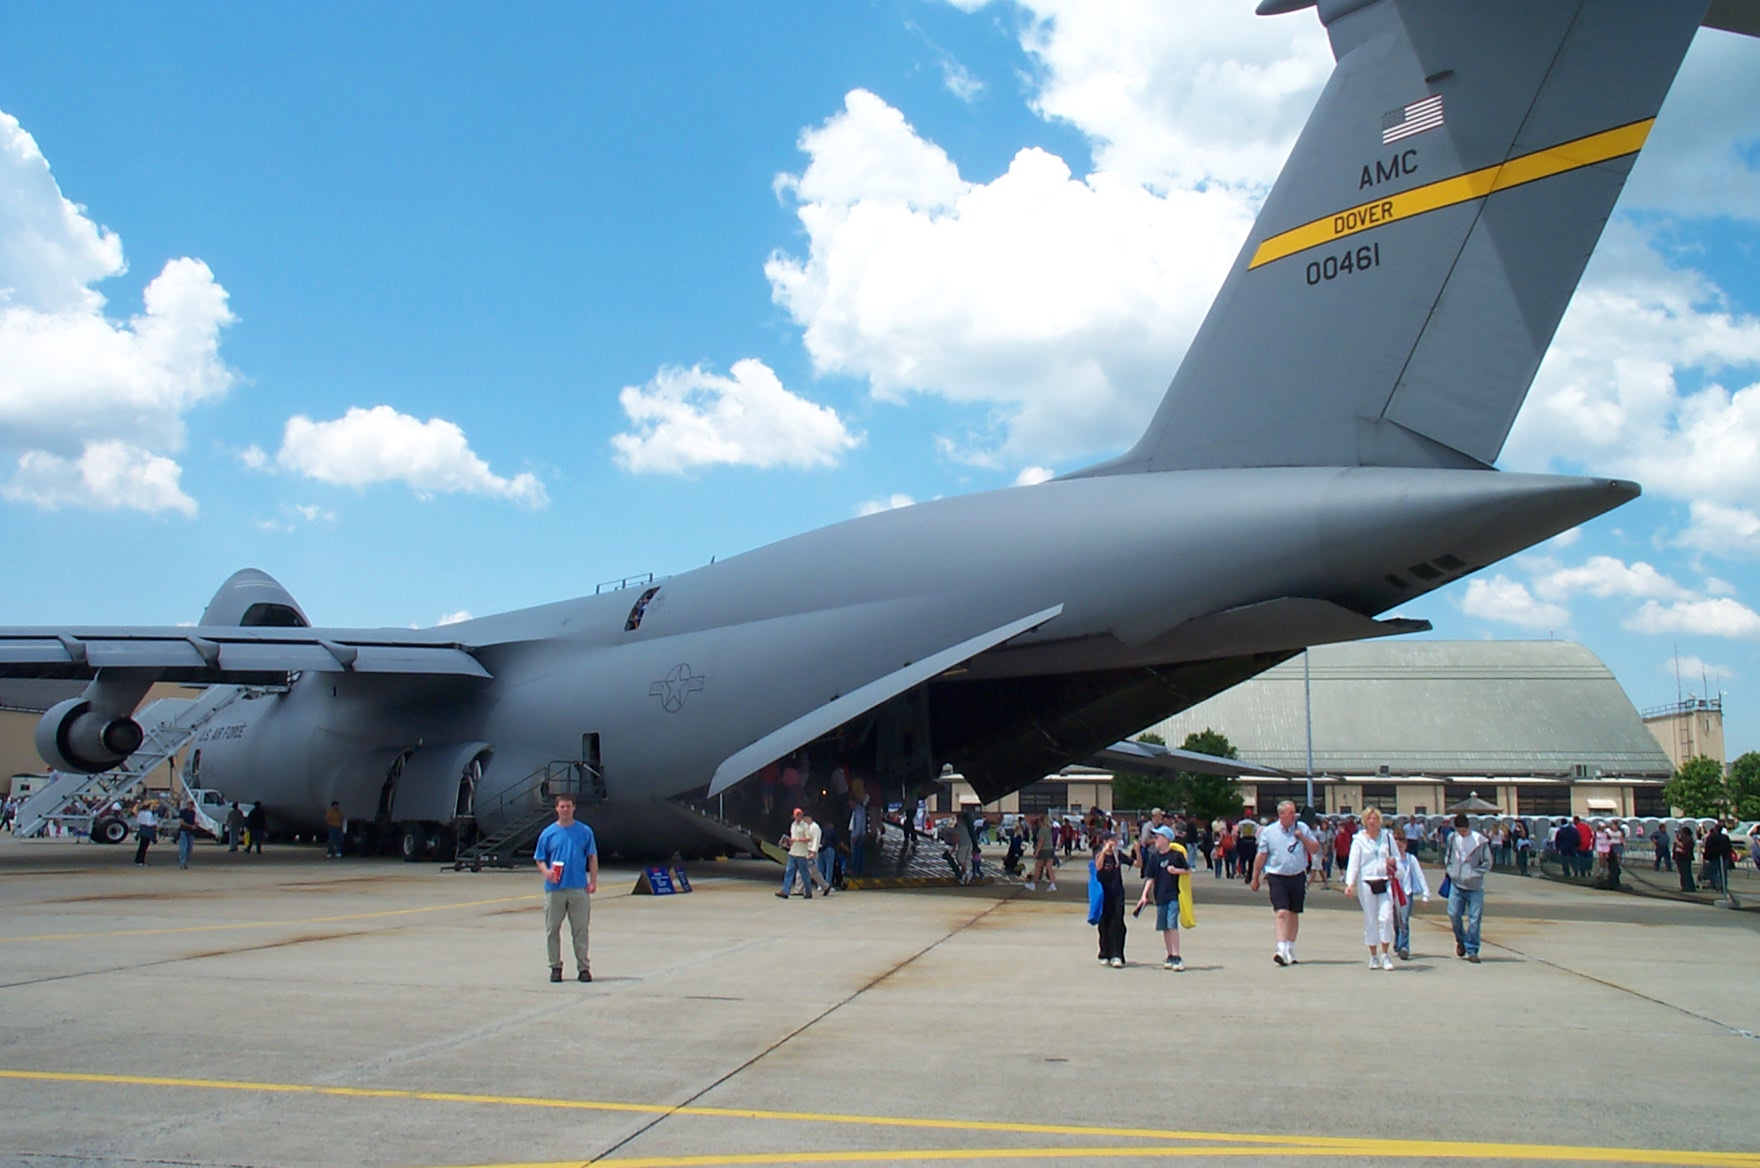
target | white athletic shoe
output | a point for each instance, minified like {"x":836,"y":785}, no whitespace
{"x":1031,"y":887}
{"x":1049,"y":887}
{"x":1375,"y":962}
{"x":1118,"y":963}
{"x":1386,"y":962}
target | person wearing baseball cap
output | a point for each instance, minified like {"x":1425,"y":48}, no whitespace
{"x":1162,"y":869}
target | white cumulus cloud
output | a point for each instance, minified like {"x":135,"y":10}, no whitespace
{"x":685,"y":419}
{"x":1178,"y":95}
{"x":1031,"y":475}
{"x":1060,"y":304}
{"x":107,"y":476}
{"x":91,"y":404}
{"x":1605,"y":576}
{"x":1509,"y":601}
{"x":1722,"y":529}
{"x":379,"y":445}
{"x":1630,"y":385}
{"x":1717,"y":617}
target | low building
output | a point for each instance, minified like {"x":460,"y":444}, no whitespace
{"x":1688,"y":729}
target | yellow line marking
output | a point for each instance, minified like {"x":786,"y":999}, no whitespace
{"x":652,"y":1108}
{"x":395,"y":912}
{"x":1380,"y":1149}
{"x":1235,"y":1143}
{"x":1073,"y":1152}
{"x":1462,"y":188}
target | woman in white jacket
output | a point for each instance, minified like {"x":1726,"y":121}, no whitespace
{"x":1372,"y":867}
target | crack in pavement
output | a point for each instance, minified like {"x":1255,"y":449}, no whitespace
{"x":800,"y":1030}
{"x":1601,"y":981}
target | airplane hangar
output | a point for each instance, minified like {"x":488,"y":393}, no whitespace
{"x":1410,"y":727}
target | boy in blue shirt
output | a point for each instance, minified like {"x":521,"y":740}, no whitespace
{"x":568,"y":858}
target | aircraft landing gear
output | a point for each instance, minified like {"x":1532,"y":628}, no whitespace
{"x":442,"y":843}
{"x":412,"y":842}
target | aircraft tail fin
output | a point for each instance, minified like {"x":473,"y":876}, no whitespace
{"x":1412,"y":262}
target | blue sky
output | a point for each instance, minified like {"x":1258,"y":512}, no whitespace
{"x":453,"y":311}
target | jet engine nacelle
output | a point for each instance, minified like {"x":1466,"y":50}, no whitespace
{"x":71,"y":737}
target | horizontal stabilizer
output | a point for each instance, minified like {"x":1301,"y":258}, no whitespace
{"x":835,"y":713}
{"x":1148,"y":757}
{"x":228,"y":653}
{"x":1289,"y":622}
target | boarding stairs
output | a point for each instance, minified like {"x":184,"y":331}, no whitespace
{"x":522,"y":811}
{"x":167,"y":724}
{"x":915,"y":856}
{"x":739,"y":837}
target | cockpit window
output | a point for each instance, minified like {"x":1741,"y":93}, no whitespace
{"x":640,"y":610}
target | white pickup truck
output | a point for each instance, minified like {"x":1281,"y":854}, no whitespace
{"x":212,"y":808}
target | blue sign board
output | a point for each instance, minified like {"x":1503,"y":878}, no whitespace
{"x":663,"y":881}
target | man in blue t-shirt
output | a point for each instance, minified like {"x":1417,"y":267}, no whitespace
{"x":569,"y":861}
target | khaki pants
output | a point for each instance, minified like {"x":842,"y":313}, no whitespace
{"x":573,"y":904}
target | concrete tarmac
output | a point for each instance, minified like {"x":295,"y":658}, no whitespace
{"x":289,"y":1010}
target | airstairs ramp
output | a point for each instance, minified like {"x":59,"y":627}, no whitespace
{"x":523,"y":811}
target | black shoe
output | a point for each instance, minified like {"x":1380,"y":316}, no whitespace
{"x":586,"y":975}
{"x":1460,"y":950}
{"x":808,"y":894}
{"x":556,"y":973}
{"x":1405,"y":954}
{"x":782,"y":896}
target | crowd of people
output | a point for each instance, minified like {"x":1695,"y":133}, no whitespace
{"x":1378,"y":862}
{"x":1380,"y":867}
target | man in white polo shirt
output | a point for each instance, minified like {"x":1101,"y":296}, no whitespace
{"x":1284,"y":848}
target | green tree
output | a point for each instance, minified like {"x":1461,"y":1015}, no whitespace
{"x":1698,"y":788}
{"x":1744,"y":786}
{"x":1205,"y":797}
{"x":1134,"y":792}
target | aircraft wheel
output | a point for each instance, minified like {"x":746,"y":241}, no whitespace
{"x":109,"y":831}
{"x":361,"y":839}
{"x":442,"y":843}
{"x":412,"y":842}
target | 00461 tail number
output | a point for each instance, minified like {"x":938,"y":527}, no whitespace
{"x":1333,"y":266}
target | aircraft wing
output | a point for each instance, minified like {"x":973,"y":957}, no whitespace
{"x":1154,"y":759}
{"x":229,"y":654}
{"x":835,"y":713}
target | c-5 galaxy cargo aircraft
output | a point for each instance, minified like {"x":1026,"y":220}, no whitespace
{"x":1323,"y":455}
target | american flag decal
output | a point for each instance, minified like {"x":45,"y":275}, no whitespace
{"x":1414,"y":119}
